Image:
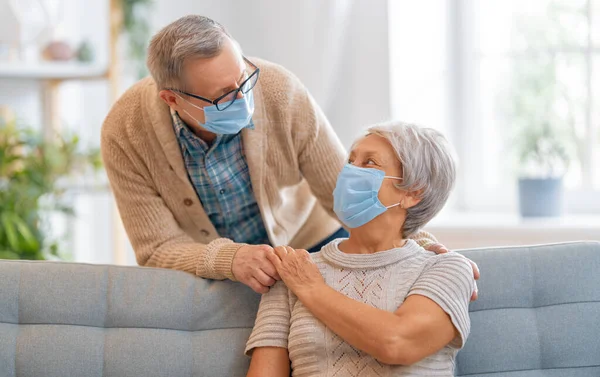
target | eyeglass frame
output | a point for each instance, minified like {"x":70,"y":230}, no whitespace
{"x":239,"y":88}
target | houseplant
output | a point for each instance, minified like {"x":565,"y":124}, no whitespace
{"x":542,"y":139}
{"x":33,"y":180}
{"x":543,"y":160}
{"x":541,"y":114}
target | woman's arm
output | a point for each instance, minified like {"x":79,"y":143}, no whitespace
{"x":269,"y":362}
{"x":421,"y":326}
{"x":268,"y":341}
{"x":417,"y":329}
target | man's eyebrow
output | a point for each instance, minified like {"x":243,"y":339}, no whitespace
{"x":229,"y":88}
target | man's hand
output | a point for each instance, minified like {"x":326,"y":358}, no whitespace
{"x":438,"y":248}
{"x":252,"y":267}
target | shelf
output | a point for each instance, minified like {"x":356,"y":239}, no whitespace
{"x":52,"y":71}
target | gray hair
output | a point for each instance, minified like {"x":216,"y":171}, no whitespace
{"x":428,"y":165}
{"x":190,"y":37}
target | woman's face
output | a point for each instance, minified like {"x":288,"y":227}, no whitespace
{"x":375,"y":152}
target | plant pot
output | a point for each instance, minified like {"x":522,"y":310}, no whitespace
{"x":541,"y":197}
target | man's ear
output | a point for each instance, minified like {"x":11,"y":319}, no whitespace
{"x":169,"y":98}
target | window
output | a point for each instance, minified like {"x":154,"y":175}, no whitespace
{"x":490,"y":70}
{"x":525,"y":65}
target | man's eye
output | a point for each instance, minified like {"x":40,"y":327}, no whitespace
{"x":371,"y":162}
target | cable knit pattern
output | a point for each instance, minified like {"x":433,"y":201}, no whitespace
{"x":382,"y":280}
{"x":293,"y":157}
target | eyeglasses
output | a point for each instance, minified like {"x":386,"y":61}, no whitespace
{"x":229,"y":98}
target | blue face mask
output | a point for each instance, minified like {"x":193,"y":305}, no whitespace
{"x":355,"y":200}
{"x":229,"y":121}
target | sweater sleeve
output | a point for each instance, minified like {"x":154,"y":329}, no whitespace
{"x":272,"y":326}
{"x":156,"y":237}
{"x":449,"y":283}
{"x":321,"y":154}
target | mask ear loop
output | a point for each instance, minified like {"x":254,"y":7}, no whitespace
{"x":401,"y":204}
{"x":189,"y":103}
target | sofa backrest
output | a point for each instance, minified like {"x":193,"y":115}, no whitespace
{"x":66,"y":319}
{"x":538,"y":313}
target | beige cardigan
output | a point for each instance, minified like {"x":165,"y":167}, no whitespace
{"x":293,"y":157}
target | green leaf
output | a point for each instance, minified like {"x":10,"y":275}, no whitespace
{"x":7,"y":254}
{"x":27,"y":235}
{"x":10,"y":231}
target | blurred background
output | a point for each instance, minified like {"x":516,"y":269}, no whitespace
{"x":514,"y":85}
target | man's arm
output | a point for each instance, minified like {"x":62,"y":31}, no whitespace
{"x":156,"y":237}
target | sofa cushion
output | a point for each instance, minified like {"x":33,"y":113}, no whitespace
{"x":538,"y":312}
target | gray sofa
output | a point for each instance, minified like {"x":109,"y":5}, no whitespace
{"x":538,"y":315}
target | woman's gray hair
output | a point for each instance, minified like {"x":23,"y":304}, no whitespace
{"x":190,"y":37}
{"x":428,"y":165}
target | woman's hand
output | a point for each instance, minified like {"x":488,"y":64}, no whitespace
{"x":297,"y":270}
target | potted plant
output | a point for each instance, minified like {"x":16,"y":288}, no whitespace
{"x":541,"y":117}
{"x":542,"y":138}
{"x":543,"y":160}
{"x":33,"y":180}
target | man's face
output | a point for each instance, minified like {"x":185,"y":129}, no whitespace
{"x":209,"y":78}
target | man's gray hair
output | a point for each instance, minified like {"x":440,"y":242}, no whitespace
{"x":428,"y":165}
{"x":190,"y":37}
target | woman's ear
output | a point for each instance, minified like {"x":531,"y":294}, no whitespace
{"x":411,"y":199}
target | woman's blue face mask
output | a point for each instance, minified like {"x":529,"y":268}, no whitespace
{"x":355,"y":198}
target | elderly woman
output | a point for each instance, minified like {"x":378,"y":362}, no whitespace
{"x":376,"y":303}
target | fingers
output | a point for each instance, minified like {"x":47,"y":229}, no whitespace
{"x":438,"y":248}
{"x":475,"y":294}
{"x":476,"y":273}
{"x":274,"y":259}
{"x":263,"y":278}
{"x":281,"y":251}
{"x":257,"y":286}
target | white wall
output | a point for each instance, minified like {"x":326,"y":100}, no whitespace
{"x":339,"y":49}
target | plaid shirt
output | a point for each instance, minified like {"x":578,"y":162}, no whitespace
{"x":221,"y":179}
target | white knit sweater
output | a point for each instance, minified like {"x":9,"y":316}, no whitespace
{"x":382,"y":280}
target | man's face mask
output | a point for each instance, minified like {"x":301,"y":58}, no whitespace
{"x":229,"y":121}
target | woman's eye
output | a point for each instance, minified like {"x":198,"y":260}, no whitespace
{"x":370,"y":162}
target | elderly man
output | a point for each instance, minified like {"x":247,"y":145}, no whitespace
{"x":217,"y":156}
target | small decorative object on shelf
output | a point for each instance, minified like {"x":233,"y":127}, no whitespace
{"x":58,"y":51}
{"x":85,"y":52}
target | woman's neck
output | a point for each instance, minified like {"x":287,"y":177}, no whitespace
{"x":368,"y":241}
